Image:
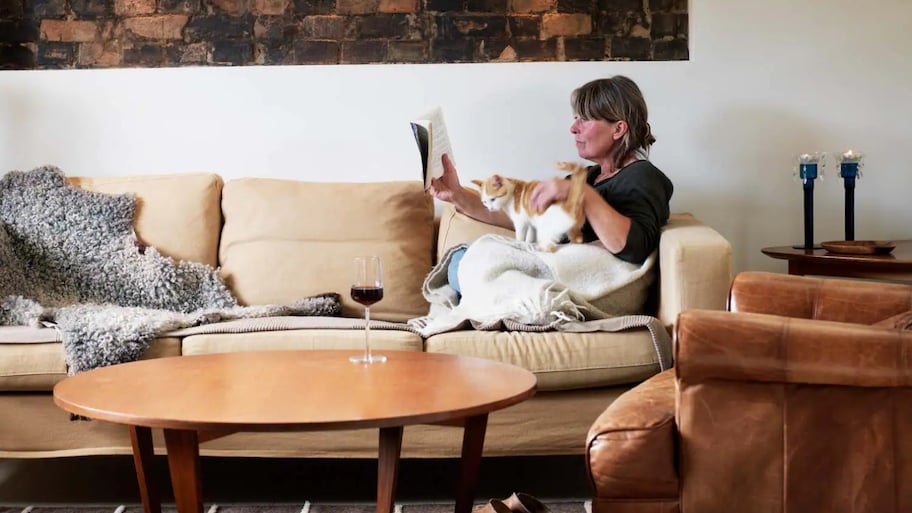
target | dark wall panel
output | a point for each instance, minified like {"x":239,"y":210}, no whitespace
{"x":44,"y":34}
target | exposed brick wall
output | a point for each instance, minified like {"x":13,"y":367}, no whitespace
{"x":153,"y":33}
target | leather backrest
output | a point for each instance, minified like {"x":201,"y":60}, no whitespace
{"x":844,"y":300}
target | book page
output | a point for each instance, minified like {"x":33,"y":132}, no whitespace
{"x":438,"y":143}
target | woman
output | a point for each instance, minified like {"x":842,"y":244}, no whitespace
{"x":626,"y":197}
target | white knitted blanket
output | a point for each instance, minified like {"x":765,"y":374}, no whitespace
{"x":510,"y":284}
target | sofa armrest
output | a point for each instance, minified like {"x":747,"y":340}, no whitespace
{"x":829,"y":299}
{"x":749,"y":347}
{"x":695,"y":268}
{"x":631,"y":446}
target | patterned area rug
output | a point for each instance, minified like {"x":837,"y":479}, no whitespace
{"x":307,"y":507}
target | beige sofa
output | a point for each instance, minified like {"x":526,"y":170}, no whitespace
{"x":279,"y":240}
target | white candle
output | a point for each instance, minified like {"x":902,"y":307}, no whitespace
{"x":851,"y":156}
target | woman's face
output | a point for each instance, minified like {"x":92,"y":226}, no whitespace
{"x":595,"y":138}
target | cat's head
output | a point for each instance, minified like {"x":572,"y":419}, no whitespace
{"x":496,"y":191}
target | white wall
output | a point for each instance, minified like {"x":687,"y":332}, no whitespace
{"x":766,"y":81}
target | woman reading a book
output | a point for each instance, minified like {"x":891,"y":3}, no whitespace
{"x":626,"y":199}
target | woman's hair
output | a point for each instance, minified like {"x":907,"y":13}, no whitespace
{"x":617,"y":99}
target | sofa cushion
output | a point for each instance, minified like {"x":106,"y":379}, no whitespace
{"x":33,"y":365}
{"x":180,"y":214}
{"x":559,"y":360}
{"x":456,"y":228}
{"x":301,"y":339}
{"x":285,"y":239}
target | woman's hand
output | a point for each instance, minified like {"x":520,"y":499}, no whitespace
{"x":447,"y":187}
{"x":548,"y":192}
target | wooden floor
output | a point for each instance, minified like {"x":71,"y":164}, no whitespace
{"x":111,"y":479}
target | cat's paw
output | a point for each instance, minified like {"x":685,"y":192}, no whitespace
{"x":549,"y":247}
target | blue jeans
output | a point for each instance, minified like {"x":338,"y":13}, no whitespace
{"x":453,"y":269}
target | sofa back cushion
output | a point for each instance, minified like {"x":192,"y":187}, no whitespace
{"x":177,"y":214}
{"x":456,"y":228}
{"x":286,"y":239}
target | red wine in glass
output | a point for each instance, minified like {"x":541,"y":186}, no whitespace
{"x":367,"y":289}
{"x":367,"y":295}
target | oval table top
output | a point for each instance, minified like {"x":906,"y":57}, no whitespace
{"x":294,"y":390}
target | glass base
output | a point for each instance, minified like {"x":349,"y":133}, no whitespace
{"x":377,"y":358}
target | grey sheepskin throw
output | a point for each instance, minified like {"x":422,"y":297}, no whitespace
{"x":69,"y":258}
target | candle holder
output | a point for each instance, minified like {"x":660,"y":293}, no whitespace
{"x":810,"y":167}
{"x":850,"y":169}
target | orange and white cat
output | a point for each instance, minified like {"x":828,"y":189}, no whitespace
{"x":547,"y":227}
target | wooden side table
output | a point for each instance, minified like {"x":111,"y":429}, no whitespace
{"x":895,"y":266}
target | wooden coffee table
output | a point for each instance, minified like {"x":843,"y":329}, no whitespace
{"x":896,"y":266}
{"x":199,"y":398}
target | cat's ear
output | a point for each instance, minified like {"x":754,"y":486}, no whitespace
{"x":497,"y":180}
{"x":478,"y":183}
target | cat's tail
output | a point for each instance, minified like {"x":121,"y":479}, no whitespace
{"x":573,"y":167}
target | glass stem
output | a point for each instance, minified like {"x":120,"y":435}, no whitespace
{"x":367,"y":329}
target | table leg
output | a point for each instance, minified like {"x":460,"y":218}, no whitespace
{"x":472,"y":446}
{"x":143,"y":460}
{"x":184,"y":463}
{"x":388,"y":467}
{"x":796,"y":268}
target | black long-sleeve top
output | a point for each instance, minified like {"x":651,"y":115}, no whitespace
{"x":641,"y":192}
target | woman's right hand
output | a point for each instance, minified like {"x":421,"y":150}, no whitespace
{"x":447,"y":187}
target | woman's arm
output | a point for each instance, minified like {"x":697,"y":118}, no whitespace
{"x":610,"y":226}
{"x":613,"y":229}
{"x":447,"y":188}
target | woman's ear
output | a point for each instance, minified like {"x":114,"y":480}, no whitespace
{"x":620,"y":129}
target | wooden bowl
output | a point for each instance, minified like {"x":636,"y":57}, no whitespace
{"x":859,"y":247}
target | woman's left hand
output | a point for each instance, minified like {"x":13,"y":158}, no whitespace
{"x":548,"y":192}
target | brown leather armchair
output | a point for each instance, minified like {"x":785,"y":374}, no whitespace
{"x":788,"y":402}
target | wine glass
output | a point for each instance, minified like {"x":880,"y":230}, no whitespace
{"x":367,"y":289}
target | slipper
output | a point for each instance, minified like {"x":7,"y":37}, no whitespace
{"x":525,"y":503}
{"x":493,"y":506}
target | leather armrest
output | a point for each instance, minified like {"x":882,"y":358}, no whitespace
{"x":631,"y":446}
{"x":768,"y":348}
{"x":695,"y":268}
{"x":861,"y":302}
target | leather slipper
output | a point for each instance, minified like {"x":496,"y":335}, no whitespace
{"x":493,"y":506}
{"x":524,"y":503}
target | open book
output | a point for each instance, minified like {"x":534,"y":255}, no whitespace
{"x":431,"y":135}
